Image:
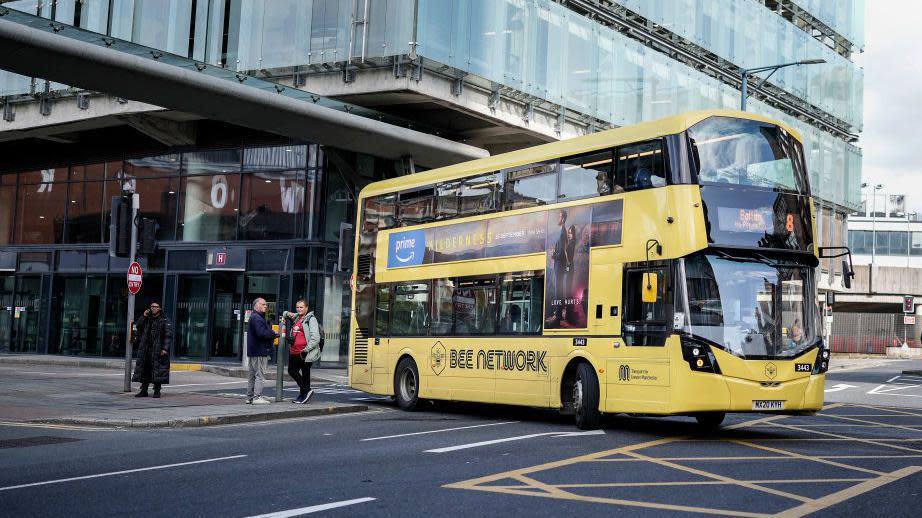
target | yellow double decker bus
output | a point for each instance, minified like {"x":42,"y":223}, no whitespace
{"x":665,"y":268}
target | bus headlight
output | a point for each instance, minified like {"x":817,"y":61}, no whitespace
{"x":698,"y":355}
{"x":821,"y":365}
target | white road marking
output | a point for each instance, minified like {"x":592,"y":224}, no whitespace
{"x":313,"y":508}
{"x":124,"y":472}
{"x":508,"y":439}
{"x":439,"y":430}
{"x":839,"y":387}
{"x":68,"y":374}
{"x":889,"y":390}
{"x":893,"y":378}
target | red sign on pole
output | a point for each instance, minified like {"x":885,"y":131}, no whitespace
{"x":134,"y":278}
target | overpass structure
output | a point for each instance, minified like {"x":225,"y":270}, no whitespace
{"x":36,"y":46}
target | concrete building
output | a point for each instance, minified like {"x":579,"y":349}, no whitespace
{"x":490,"y":74}
{"x":870,"y":316}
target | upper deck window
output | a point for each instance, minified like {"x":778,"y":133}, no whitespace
{"x":531,"y":186}
{"x":585,"y":175}
{"x":479,"y":195}
{"x":379,"y":213}
{"x":640,"y":166}
{"x":747,"y":152}
{"x":416,"y":207}
{"x":468,"y":196}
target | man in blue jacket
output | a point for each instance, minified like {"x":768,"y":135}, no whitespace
{"x":259,"y":345}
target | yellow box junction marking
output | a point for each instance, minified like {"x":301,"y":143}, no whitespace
{"x":525,"y":481}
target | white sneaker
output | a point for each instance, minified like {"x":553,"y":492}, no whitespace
{"x":307,"y":397}
{"x":261,"y":401}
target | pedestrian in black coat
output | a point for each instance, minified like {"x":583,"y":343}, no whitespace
{"x":153,"y":339}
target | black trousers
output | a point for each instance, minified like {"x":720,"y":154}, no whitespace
{"x":300,"y":371}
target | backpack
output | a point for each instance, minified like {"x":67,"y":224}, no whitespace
{"x":319,"y":330}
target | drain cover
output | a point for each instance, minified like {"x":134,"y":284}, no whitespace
{"x":38,"y":440}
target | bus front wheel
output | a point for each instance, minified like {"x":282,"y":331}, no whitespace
{"x":710,"y":420}
{"x":406,"y":384}
{"x":586,"y":398}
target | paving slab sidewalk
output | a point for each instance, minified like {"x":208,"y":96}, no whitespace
{"x":332,"y":374}
{"x":72,"y":395}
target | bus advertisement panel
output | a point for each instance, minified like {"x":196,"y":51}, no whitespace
{"x":566,"y":235}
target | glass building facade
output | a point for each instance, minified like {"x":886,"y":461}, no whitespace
{"x":535,"y":49}
{"x":277,"y":209}
{"x":538,"y":47}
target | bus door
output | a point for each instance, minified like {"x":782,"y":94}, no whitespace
{"x":639,"y":376}
{"x":519,"y":356}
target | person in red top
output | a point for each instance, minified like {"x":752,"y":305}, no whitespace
{"x":298,"y":368}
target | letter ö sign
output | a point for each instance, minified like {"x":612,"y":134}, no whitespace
{"x":406,"y":248}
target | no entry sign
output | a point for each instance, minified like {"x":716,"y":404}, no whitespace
{"x":134,"y":278}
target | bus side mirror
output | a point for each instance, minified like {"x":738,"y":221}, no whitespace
{"x":650,"y":282}
{"x":847,"y":274}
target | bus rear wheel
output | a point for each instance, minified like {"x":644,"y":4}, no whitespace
{"x":586,"y":398}
{"x":710,"y":420}
{"x":406,"y":384}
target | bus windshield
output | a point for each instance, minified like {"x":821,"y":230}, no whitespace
{"x":751,"y":307}
{"x":747,"y":152}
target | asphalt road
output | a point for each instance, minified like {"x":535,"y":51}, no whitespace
{"x":853,"y":459}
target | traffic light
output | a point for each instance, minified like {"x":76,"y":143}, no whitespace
{"x":346,"y":247}
{"x":120,"y":227}
{"x":147,"y":236}
{"x":909,"y":305}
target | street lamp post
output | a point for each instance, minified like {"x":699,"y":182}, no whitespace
{"x":873,"y":220}
{"x":744,"y":93}
{"x":909,"y":217}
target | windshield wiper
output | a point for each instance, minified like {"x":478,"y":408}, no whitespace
{"x":759,"y":258}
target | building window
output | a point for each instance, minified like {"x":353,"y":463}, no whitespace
{"x":159,"y":199}
{"x":7,"y":211}
{"x":209,"y":207}
{"x":272,"y":205}
{"x":41,"y":209}
{"x":916,"y":244}
{"x":84,"y":212}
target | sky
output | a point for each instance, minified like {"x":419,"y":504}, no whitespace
{"x":892,"y":138}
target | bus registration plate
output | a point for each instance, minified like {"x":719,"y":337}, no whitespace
{"x":768,"y":404}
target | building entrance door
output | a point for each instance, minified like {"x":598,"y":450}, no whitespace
{"x":6,"y":311}
{"x":28,"y":299}
{"x":191,"y":326}
{"x":227,"y":315}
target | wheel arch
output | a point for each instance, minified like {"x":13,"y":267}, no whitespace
{"x":569,"y":374}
